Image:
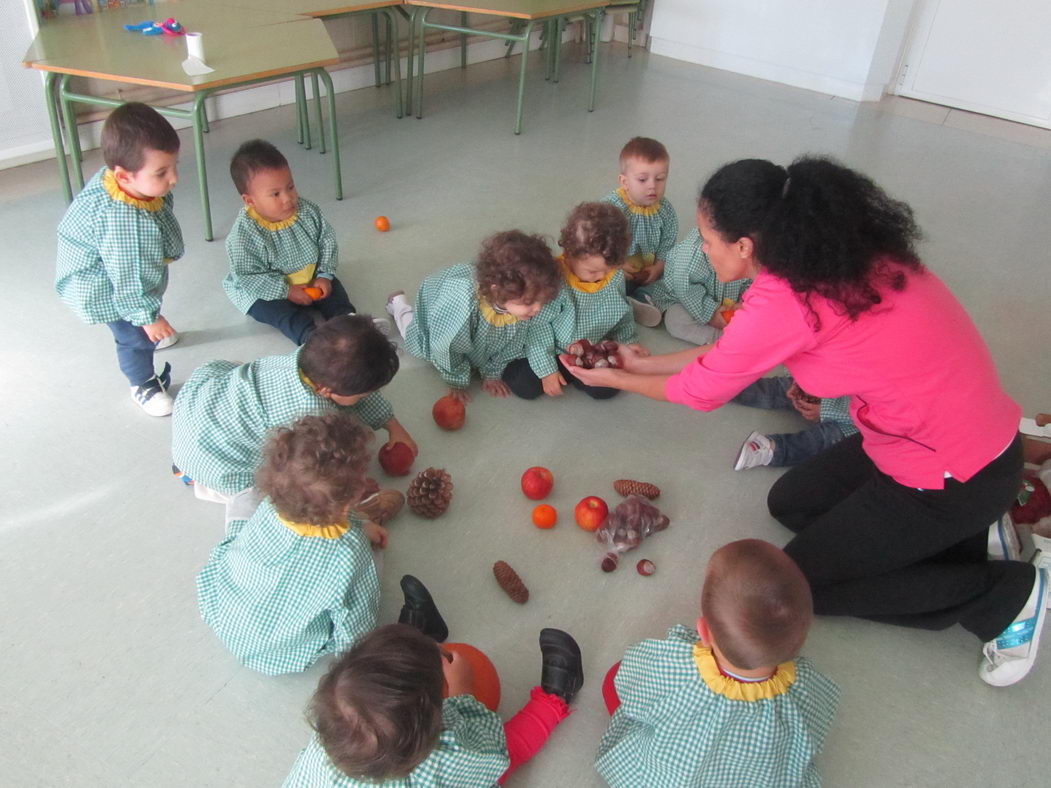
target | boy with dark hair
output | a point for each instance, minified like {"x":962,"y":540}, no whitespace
{"x":115,"y":243}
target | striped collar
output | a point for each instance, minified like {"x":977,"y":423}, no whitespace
{"x":332,"y":531}
{"x":578,"y":284}
{"x":778,"y":684}
{"x":109,"y":183}
{"x":266,"y":224}
{"x":635,"y":208}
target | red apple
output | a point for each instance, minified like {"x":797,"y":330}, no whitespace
{"x":537,"y":483}
{"x":591,"y":513}
{"x":449,"y":413}
{"x":396,"y":459}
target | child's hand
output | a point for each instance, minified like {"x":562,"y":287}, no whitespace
{"x":811,"y":411}
{"x":717,"y":321}
{"x":458,"y":673}
{"x":460,"y":395}
{"x":377,"y":534}
{"x":398,"y":434}
{"x":630,"y":274}
{"x":651,"y":273}
{"x":158,"y":330}
{"x":496,"y":387}
{"x":298,"y":295}
{"x":324,"y":284}
{"x":553,"y":384}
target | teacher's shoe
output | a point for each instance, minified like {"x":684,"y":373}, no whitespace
{"x":1004,"y":544}
{"x":1007,"y":659}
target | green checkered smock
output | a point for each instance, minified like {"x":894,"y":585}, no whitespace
{"x":672,"y":729}
{"x":450,"y":330}
{"x":224,"y":411}
{"x":838,"y":410}
{"x":279,"y":600}
{"x":652,"y":233}
{"x":471,"y":753}
{"x":113,"y":253}
{"x":690,"y":280}
{"x":262,"y":254}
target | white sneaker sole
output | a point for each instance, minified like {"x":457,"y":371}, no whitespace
{"x":160,"y":404}
{"x":645,"y":314}
{"x":999,"y":676}
{"x":166,"y":342}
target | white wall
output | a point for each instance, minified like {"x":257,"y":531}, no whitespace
{"x":25,"y":133}
{"x":846,"y":48}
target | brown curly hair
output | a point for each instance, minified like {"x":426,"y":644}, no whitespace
{"x":596,"y":228}
{"x":645,"y":149}
{"x":515,"y":266}
{"x":315,"y":469}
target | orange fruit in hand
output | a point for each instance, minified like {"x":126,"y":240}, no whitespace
{"x":545,"y":516}
{"x":382,"y":223}
{"x":313,"y":292}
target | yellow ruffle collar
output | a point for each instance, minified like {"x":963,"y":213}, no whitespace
{"x":266,"y":224}
{"x":778,"y":684}
{"x":333,"y":531}
{"x":640,"y":210}
{"x":578,"y":284}
{"x":498,"y":319}
{"x":109,"y":183}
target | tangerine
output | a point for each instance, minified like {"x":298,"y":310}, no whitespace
{"x":545,"y":516}
{"x":313,"y":292}
{"x":382,"y":223}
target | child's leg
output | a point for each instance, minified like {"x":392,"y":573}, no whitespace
{"x":292,"y":320}
{"x":337,"y":303}
{"x":530,"y":728}
{"x":767,"y":393}
{"x":402,"y":311}
{"x":609,"y":689}
{"x":796,"y":447}
{"x":134,"y":351}
{"x":681,"y":325}
{"x":521,"y":379}
{"x":595,"y":392}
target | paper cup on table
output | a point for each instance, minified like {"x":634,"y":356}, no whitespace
{"x":195,"y":45}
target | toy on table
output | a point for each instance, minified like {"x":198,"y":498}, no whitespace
{"x":169,"y":27}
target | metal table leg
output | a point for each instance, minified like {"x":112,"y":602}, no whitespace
{"x":56,"y":134}
{"x":333,"y":131}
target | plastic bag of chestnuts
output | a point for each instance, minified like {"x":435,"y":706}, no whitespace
{"x":627,"y":526}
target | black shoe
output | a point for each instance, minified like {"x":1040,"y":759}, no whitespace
{"x":562,"y":674}
{"x":420,"y":611}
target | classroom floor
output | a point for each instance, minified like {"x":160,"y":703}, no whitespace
{"x":107,"y":674}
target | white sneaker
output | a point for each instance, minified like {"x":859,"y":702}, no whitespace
{"x":153,"y":397}
{"x":757,"y":450}
{"x":382,"y":325}
{"x":1007,"y":659}
{"x":646,"y":314}
{"x":166,"y":342}
{"x":1004,"y":544}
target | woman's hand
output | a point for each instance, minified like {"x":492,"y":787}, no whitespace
{"x":590,"y":377}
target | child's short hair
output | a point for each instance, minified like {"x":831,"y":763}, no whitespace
{"x":131,"y":130}
{"x":314,"y":469}
{"x":378,"y":710}
{"x":514,"y":266}
{"x":644,"y":148}
{"x":349,"y":355}
{"x":756,"y":603}
{"x":596,"y":228}
{"x":252,"y":157}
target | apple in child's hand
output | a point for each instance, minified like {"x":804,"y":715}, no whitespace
{"x":396,"y":459}
{"x":591,"y":513}
{"x":537,"y":483}
{"x":449,"y":413}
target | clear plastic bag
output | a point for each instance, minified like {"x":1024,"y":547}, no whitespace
{"x":632,"y":521}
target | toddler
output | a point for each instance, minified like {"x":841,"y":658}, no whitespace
{"x":395,"y":711}
{"x":475,"y":316}
{"x":297,"y":579}
{"x":591,"y":304}
{"x":283,"y":253}
{"x":115,"y":243}
{"x":727,"y":704}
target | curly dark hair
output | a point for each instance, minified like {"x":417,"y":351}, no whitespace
{"x":597,"y":228}
{"x":515,"y":266}
{"x":131,"y":130}
{"x":349,"y":355}
{"x":252,"y":157}
{"x":378,"y":710}
{"x":314,"y":469}
{"x":826,"y":229}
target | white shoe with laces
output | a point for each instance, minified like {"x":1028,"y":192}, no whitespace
{"x":1008,"y":658}
{"x":757,"y":450}
{"x":153,"y":397}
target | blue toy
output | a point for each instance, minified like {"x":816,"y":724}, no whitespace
{"x":169,"y":27}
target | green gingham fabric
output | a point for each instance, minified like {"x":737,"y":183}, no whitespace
{"x":655,"y":234}
{"x":224,"y":411}
{"x":112,"y":256}
{"x":261,"y":258}
{"x":672,"y":730}
{"x":279,"y":600}
{"x":471,"y":753}
{"x":449,"y":331}
{"x":690,"y":280}
{"x":837,"y":409}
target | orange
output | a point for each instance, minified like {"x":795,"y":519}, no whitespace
{"x":313,"y":292}
{"x":382,"y":223}
{"x":545,"y":516}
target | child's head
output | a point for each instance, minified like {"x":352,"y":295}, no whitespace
{"x":142,"y":150}
{"x":347,"y":358}
{"x":314,"y":471}
{"x":644,"y":170}
{"x":756,"y":604}
{"x":264,"y":180}
{"x":594,"y":239}
{"x":517,"y":273}
{"x":378,"y":710}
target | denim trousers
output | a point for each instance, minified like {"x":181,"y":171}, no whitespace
{"x":297,"y":322}
{"x":134,"y":351}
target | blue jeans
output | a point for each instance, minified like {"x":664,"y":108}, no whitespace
{"x":297,"y":322}
{"x":790,"y":448}
{"x":134,"y":351}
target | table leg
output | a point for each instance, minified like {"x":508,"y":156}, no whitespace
{"x":317,"y":113}
{"x":333,"y":131}
{"x":376,"y":46}
{"x":463,"y":40}
{"x":395,"y":52}
{"x":297,"y":80}
{"x":599,"y":13}
{"x":202,"y":173}
{"x":422,"y":24}
{"x":522,"y":75}
{"x":410,"y":77}
{"x":70,"y":119}
{"x":56,"y":134}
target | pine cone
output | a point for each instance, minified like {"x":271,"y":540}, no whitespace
{"x":430,"y":492}
{"x":381,"y":506}
{"x":631,"y":487}
{"x":508,"y":579}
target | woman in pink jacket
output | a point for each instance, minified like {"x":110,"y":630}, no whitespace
{"x":890,"y":524}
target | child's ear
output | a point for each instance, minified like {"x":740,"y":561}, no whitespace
{"x":704,"y":632}
{"x":248,"y":201}
{"x":745,"y":247}
{"x":122,"y":175}
{"x":623,"y":179}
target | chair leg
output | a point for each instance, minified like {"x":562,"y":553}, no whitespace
{"x":333,"y":131}
{"x":317,"y":113}
{"x":202,"y":172}
{"x":376,"y":46}
{"x":522,"y":75}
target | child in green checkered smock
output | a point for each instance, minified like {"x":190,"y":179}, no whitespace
{"x":395,"y":711}
{"x":116,"y":241}
{"x":297,"y":579}
{"x":475,"y":316}
{"x":283,"y":253}
{"x":730,"y":704}
{"x":223,"y":412}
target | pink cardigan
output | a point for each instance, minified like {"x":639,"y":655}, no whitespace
{"x":925,"y":393}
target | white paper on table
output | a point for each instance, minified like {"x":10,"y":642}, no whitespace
{"x":195,"y":68}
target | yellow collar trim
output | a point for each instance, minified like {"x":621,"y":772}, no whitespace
{"x":585,"y":287}
{"x":778,"y":684}
{"x":641,"y":210}
{"x":333,"y":531}
{"x":109,"y":183}
{"x":306,"y":381}
{"x":266,"y":224}
{"x":498,"y":319}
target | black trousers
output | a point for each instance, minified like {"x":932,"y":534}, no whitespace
{"x":874,"y":548}
{"x":524,"y":383}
